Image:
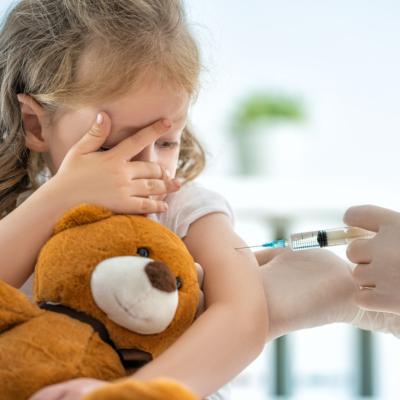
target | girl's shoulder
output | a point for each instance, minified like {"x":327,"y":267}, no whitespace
{"x":190,"y":203}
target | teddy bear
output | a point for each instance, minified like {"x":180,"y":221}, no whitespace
{"x":112,"y":292}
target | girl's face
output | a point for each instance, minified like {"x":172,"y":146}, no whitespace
{"x":130,"y":113}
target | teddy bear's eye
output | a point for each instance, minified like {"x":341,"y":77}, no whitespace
{"x":178,"y":282}
{"x":143,"y":252}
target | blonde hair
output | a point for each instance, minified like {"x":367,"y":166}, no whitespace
{"x":42,"y":43}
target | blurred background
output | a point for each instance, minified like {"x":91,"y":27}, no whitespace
{"x":298,"y":111}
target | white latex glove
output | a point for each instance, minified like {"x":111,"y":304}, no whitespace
{"x":377,"y":274}
{"x":311,"y":288}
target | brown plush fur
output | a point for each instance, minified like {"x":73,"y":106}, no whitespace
{"x":38,"y":348}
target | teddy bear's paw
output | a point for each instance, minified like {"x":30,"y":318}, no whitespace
{"x":129,"y":389}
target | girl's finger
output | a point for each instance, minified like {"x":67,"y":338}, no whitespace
{"x":360,"y":251}
{"x":200,"y":306}
{"x":148,"y":187}
{"x":200,"y":273}
{"x":132,"y":145}
{"x":95,"y":136}
{"x":147,"y":169}
{"x":143,"y":205}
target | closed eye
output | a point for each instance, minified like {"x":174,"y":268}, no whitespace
{"x":165,"y":144}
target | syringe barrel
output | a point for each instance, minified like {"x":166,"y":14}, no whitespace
{"x":327,"y":237}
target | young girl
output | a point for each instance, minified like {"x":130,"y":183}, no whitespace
{"x":96,"y":95}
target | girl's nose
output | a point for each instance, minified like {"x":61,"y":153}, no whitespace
{"x":147,"y":154}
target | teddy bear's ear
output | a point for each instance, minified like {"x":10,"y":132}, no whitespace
{"x":81,"y":215}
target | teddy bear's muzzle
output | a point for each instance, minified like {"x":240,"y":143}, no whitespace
{"x":137,"y":293}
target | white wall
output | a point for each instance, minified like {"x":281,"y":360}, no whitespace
{"x":341,"y":56}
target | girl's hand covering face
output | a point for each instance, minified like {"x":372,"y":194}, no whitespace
{"x":110,"y":178}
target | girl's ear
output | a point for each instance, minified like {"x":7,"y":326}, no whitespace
{"x":32,"y":119}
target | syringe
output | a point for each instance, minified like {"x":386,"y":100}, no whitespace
{"x":317,"y":239}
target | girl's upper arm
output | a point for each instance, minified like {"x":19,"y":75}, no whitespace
{"x":231,"y":275}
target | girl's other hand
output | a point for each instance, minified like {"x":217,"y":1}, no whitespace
{"x":110,"y":178}
{"x":200,"y":277}
{"x":71,"y":390}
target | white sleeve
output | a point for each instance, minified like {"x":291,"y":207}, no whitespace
{"x":225,"y":393}
{"x":378,"y":321}
{"x":192,"y":202}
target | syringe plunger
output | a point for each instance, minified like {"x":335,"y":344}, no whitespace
{"x":327,"y":237}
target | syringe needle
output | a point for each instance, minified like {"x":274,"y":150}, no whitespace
{"x":272,"y":245}
{"x":248,"y":247}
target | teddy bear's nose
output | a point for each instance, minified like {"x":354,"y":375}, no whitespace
{"x":160,"y":276}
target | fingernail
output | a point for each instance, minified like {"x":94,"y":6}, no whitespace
{"x":176,"y":183}
{"x":167,"y":173}
{"x":99,"y":119}
{"x":165,"y":206}
{"x":167,"y":123}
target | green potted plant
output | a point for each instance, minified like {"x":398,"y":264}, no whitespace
{"x":256,"y":117}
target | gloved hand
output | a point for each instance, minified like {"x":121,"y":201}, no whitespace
{"x":377,"y":274}
{"x":306,"y":289}
{"x":311,"y":288}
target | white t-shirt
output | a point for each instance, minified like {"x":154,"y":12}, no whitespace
{"x":189,"y":204}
